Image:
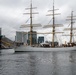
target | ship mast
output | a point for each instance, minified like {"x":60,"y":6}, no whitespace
{"x":54,"y":25}
{"x":71,"y":31}
{"x":38,"y":25}
{"x":31,"y":24}
{"x":71,"y":18}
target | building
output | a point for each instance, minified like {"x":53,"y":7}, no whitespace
{"x":0,"y":37}
{"x":21,"y":37}
{"x":40,"y":39}
{"x":24,"y":38}
{"x":0,"y":31}
{"x":34,"y":38}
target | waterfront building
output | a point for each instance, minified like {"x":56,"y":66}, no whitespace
{"x":21,"y":37}
{"x":34,"y":38}
{"x":0,"y":31}
{"x":40,"y":39}
{"x":0,"y":37}
{"x":24,"y":37}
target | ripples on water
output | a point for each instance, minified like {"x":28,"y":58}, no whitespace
{"x":37,"y":63}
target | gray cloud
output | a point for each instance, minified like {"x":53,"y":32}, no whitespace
{"x":11,"y":13}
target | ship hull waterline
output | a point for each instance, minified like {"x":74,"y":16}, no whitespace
{"x":36,"y":49}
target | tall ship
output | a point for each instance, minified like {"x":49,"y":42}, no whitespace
{"x":46,"y":46}
{"x":71,"y":30}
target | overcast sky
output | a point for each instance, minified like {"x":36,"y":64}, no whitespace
{"x":11,"y":13}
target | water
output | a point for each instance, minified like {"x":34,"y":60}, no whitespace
{"x":37,"y":63}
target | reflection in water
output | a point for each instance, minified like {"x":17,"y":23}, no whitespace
{"x":38,"y":63}
{"x":54,"y":61}
{"x":72,"y":59}
{"x":32,"y":64}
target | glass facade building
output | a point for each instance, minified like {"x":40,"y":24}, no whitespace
{"x":34,"y":37}
{"x":21,"y":37}
{"x":40,"y":39}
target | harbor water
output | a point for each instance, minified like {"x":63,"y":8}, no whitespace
{"x":37,"y":63}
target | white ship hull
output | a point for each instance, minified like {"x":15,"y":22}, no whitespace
{"x":33,"y":49}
